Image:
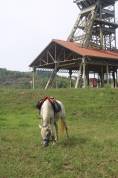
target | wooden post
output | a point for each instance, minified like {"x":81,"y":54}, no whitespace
{"x":87,"y":76}
{"x":84,"y":72}
{"x":98,"y":79}
{"x":94,"y":74}
{"x":56,"y":84}
{"x":33,"y":78}
{"x":116,"y":78}
{"x":102,"y":77}
{"x":70,"y":75}
{"x":107,"y":73}
{"x":113,"y":75}
{"x":78,"y":75}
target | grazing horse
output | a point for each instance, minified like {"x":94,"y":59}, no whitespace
{"x":51,"y":111}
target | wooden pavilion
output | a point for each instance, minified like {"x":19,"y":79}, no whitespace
{"x":66,"y":55}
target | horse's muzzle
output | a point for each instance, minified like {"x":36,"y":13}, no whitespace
{"x":45,"y":142}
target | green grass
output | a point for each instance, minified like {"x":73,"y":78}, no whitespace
{"x":90,"y":152}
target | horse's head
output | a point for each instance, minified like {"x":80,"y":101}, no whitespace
{"x":46,"y":134}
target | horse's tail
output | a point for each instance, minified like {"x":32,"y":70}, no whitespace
{"x":62,"y":126}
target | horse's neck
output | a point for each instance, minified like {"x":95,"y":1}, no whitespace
{"x":46,"y":105}
{"x":46,"y":112}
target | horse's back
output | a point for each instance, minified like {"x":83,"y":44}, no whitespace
{"x":48,"y":111}
{"x":61,"y":113}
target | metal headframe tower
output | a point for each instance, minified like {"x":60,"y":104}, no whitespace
{"x":96,"y":25}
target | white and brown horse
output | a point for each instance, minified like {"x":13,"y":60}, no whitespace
{"x":51,"y":111}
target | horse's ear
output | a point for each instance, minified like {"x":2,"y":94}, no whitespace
{"x":40,"y":126}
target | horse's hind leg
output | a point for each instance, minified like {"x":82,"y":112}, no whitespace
{"x":56,"y":129}
{"x":53,"y":139}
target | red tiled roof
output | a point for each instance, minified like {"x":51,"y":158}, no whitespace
{"x":90,"y":52}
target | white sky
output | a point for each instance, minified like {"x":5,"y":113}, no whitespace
{"x":27,"y":26}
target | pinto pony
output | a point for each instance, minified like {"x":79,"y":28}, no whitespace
{"x":51,"y":111}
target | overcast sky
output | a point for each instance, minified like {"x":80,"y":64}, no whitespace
{"x":27,"y":26}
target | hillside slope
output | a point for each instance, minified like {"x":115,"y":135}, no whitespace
{"x":23,"y":80}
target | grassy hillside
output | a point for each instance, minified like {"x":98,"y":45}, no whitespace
{"x":90,"y":152}
{"x":23,"y":80}
{"x":15,"y":78}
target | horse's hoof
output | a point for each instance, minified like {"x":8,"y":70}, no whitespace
{"x":54,"y":143}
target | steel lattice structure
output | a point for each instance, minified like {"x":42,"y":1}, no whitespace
{"x":95,"y":26}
